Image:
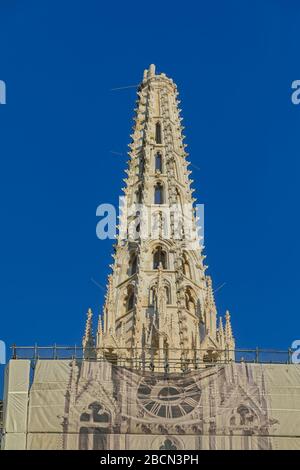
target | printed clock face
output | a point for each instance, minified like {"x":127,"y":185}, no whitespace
{"x":168,"y":400}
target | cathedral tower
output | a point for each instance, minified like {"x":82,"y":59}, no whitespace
{"x":159,"y":310}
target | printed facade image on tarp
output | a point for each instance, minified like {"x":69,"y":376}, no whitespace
{"x":97,"y":405}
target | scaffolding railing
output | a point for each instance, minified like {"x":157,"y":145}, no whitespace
{"x":147,"y":356}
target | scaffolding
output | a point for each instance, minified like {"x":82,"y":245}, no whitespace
{"x":134,"y":358}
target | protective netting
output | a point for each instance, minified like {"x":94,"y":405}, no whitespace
{"x":97,"y":405}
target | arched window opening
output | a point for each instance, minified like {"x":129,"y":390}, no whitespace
{"x":98,"y":421}
{"x":130,"y":300}
{"x":158,"y":162}
{"x":158,"y":133}
{"x":132,"y":264}
{"x":139,"y":195}
{"x":160,"y":257}
{"x":141,"y":165}
{"x":158,"y":194}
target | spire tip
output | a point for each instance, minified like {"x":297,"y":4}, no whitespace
{"x":151,"y":70}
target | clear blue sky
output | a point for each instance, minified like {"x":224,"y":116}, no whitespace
{"x":234,"y":62}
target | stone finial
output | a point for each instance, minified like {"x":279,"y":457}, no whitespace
{"x":99,"y":339}
{"x":210,"y":294}
{"x":99,"y":328}
{"x":88,"y":338}
{"x":88,"y":325}
{"x":152,"y":70}
{"x":229,"y":339}
{"x":228,"y":328}
{"x":221,"y":329}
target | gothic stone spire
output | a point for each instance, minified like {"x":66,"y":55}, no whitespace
{"x":159,"y":307}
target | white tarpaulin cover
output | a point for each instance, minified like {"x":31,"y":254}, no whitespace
{"x":96,"y":405}
{"x":16,"y":404}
